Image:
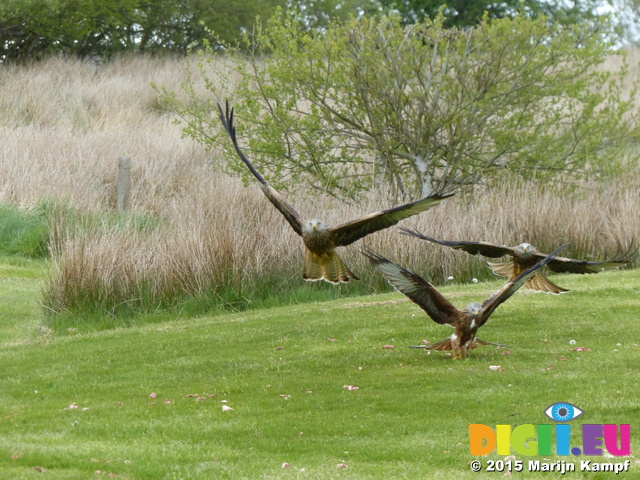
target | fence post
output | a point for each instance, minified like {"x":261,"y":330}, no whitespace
{"x":124,"y":184}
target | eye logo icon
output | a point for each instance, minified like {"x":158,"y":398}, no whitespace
{"x":562,"y":412}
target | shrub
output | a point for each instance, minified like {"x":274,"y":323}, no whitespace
{"x":372,"y":102}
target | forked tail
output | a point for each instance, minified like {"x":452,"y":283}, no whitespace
{"x":327,"y":266}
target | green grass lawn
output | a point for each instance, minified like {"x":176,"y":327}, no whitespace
{"x":19,"y":299}
{"x":80,"y":406}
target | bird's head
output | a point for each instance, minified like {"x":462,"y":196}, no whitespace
{"x":525,"y":249}
{"x":473,"y":308}
{"x":314,"y":226}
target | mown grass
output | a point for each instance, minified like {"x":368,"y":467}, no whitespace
{"x":90,"y":317}
{"x":283,"y":371}
{"x":20,"y":283}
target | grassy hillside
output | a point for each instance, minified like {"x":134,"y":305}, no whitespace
{"x":107,"y":369}
{"x":196,"y":239}
{"x":145,"y":402}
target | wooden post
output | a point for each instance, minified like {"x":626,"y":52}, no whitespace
{"x":124,"y":184}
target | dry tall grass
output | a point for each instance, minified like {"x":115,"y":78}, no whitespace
{"x":64,"y":123}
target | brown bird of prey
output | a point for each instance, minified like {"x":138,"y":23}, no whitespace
{"x":321,"y":261}
{"x":466,"y":322}
{"x":522,"y":257}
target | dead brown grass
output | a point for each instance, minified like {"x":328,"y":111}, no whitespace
{"x":64,"y":123}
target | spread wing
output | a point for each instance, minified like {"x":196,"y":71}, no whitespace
{"x":512,"y":286}
{"x":474,"y":248}
{"x":294,"y":219}
{"x":348,"y":233}
{"x":417,"y":289}
{"x":569,"y":265}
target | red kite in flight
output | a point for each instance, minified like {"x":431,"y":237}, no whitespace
{"x":467,"y":321}
{"x":522,"y":257}
{"x":321,"y":260}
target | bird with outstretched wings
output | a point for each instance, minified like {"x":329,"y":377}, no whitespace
{"x":522,"y":257}
{"x":466,"y":322}
{"x":321,"y":262}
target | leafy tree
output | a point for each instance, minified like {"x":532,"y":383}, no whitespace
{"x":469,"y":12}
{"x":417,"y":106}
{"x":29,"y":28}
{"x":319,"y":13}
{"x":625,"y":13}
{"x":33,"y":28}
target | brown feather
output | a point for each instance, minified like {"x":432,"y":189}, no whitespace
{"x":466,"y":322}
{"x":569,"y":265}
{"x":326,"y":266}
{"x":474,"y":248}
{"x":289,"y":213}
{"x":419,"y":291}
{"x":441,"y":345}
{"x":349,"y":232}
{"x":512,"y":268}
{"x":482,"y":342}
{"x":504,"y":269}
{"x":321,"y":262}
{"x":447,"y":345}
{"x":541,"y":283}
{"x":489,"y":306}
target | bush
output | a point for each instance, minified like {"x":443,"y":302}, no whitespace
{"x":372,"y":101}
